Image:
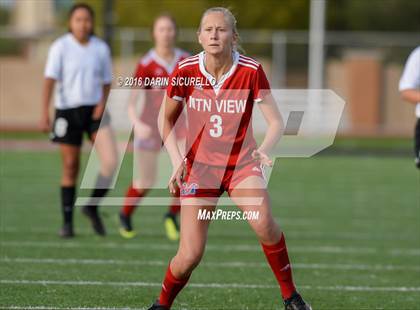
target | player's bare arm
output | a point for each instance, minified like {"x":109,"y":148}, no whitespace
{"x":167,"y":115}
{"x":274,"y":132}
{"x":100,"y":107}
{"x":46,"y":99}
{"x":411,"y":95}
{"x":141,"y":130}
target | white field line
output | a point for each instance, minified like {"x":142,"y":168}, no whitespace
{"x":294,"y":234}
{"x":214,"y":247}
{"x":233,"y":264}
{"x":215,"y":285}
{"x":157,"y":216}
{"x":297,"y":222}
{"x":65,"y":308}
{"x":284,"y":221}
{"x":161,"y":201}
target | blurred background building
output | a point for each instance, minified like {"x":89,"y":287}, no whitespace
{"x":364,"y":48}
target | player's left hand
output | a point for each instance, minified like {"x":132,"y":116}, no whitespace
{"x":98,"y":111}
{"x":262,"y":157}
{"x":177,"y":178}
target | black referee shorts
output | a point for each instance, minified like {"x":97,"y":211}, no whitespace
{"x":70,"y":124}
{"x":417,"y":143}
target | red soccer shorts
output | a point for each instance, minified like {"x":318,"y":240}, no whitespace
{"x":203,"y":180}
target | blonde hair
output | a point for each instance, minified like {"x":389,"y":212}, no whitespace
{"x":229,"y":17}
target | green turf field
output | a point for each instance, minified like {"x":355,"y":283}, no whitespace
{"x":352,"y":226}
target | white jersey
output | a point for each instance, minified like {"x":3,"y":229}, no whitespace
{"x":80,"y":71}
{"x":410,"y":78}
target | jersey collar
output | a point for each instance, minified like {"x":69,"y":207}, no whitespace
{"x":217,"y":86}
{"x":169,"y":66}
{"x":73,"y":39}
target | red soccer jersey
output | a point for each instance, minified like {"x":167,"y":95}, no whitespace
{"x":150,"y":67}
{"x":219,"y":114}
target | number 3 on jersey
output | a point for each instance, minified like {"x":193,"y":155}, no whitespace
{"x":217,"y":129}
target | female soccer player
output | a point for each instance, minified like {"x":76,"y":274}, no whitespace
{"x":159,"y":62}
{"x":223,"y":152}
{"x":79,"y":65}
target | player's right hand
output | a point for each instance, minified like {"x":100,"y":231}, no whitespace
{"x":142,"y":131}
{"x":262,"y":157}
{"x":177,"y":178}
{"x":44,"y":124}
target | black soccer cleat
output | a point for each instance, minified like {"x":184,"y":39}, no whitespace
{"x":296,"y":303}
{"x":156,"y":306}
{"x":92,"y":214}
{"x":66,"y":231}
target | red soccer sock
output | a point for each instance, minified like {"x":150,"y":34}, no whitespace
{"x":171,"y":286}
{"x":279,"y":262}
{"x":132,"y":198}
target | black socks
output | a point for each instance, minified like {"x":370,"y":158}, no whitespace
{"x":101,"y":189}
{"x":68,"y":194}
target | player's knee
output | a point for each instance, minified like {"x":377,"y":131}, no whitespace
{"x":147,"y":183}
{"x":267,"y":230}
{"x":109,"y":166}
{"x":112,"y":162}
{"x":71,"y":168}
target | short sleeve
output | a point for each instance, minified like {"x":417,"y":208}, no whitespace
{"x":107,"y":67}
{"x":174,"y":90}
{"x":261,"y":86}
{"x":53,"y":67}
{"x":410,"y":78}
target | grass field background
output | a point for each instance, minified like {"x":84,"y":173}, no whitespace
{"x":351,"y":223}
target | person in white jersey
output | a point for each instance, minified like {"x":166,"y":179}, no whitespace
{"x":79,"y":68}
{"x":410,"y":91}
